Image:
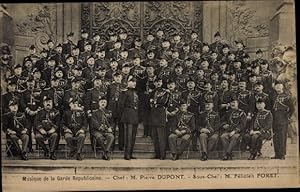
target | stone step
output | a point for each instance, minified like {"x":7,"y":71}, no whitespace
{"x":136,"y":153}
{"x":140,"y":132}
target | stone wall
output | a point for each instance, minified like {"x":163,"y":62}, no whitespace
{"x":259,"y":24}
{"x":36,"y":23}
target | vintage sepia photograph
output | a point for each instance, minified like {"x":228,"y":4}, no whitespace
{"x":149,"y":95}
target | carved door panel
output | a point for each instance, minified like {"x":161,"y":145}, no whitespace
{"x":140,"y":18}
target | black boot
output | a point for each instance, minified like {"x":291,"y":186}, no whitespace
{"x":53,"y":156}
{"x":204,"y":156}
{"x":251,"y":156}
{"x":24,"y":156}
{"x":105,"y":156}
{"x":254,"y":156}
{"x":72,"y":153}
{"x":79,"y":157}
{"x":275,"y":157}
{"x":174,"y":156}
{"x":226,"y":157}
{"x":259,"y":153}
{"x":230,"y":156}
{"x":46,"y":153}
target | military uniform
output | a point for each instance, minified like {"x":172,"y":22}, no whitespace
{"x":47,"y":119}
{"x":224,"y":99}
{"x":41,"y":64}
{"x":210,"y":121}
{"x":89,"y":73}
{"x":114,"y":54}
{"x":74,"y":126}
{"x":267,"y":81}
{"x":282,"y":111}
{"x":209,"y":96}
{"x":97,"y":45}
{"x":31,"y":105}
{"x":236,"y":119}
{"x":48,"y":74}
{"x":5,"y":98}
{"x":75,"y":95}
{"x":172,"y":109}
{"x":149,"y":87}
{"x":92,"y":99}
{"x":180,"y":80}
{"x":57,"y":95}
{"x":33,"y":57}
{"x":101,"y":62}
{"x":137,"y":52}
{"x":196,"y":45}
{"x":128,"y":110}
{"x":113,"y":96}
{"x":158,"y":103}
{"x":101,"y":123}
{"x":165,"y":53}
{"x":200,"y":81}
{"x":164,"y":73}
{"x":262,"y":122}
{"x":260,"y":96}
{"x":244,"y":98}
{"x":81,"y":43}
{"x":18,"y":123}
{"x":20,"y":81}
{"x":184,"y":121}
{"x":67,"y":47}
{"x":192,"y":97}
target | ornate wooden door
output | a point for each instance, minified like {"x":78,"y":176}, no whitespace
{"x":140,"y":18}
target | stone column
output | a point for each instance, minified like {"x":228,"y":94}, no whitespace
{"x":283,"y":23}
{"x":214,"y":19}
{"x":68,"y":19}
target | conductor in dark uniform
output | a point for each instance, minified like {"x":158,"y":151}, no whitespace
{"x":128,"y":108}
{"x":158,"y":102}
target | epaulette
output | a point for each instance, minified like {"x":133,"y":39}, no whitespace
{"x":268,"y":111}
{"x":190,"y":113}
{"x":20,"y":115}
{"x":21,"y":91}
{"x":47,"y":88}
{"x":11,"y":77}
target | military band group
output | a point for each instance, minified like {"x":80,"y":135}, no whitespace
{"x":183,"y":91}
